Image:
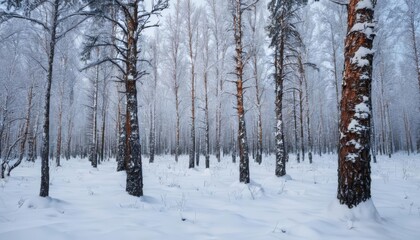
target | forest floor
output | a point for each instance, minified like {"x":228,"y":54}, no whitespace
{"x":182,"y":203}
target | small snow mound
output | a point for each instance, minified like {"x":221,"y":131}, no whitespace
{"x":40,"y":203}
{"x":251,"y":190}
{"x":365,"y":211}
{"x":286,"y":177}
{"x":148,"y":199}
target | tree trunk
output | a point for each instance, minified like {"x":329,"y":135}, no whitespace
{"x":122,"y":136}
{"x":207,"y":122}
{"x":45,"y":169}
{"x":233,"y":147}
{"x":133,"y":162}
{"x":152,"y":135}
{"x":192,"y":61}
{"x":103,"y":116}
{"x":354,"y":152}
{"x":302,"y":142}
{"x":295,"y":130}
{"x":93,"y":152}
{"x":177,"y":133}
{"x":242,"y":136}
{"x":279,"y":133}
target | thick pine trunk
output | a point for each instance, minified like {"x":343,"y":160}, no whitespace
{"x":133,"y":164}
{"x":354,"y":152}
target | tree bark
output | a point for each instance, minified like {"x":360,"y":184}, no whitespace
{"x":133,"y":162}
{"x":242,"y":136}
{"x":45,"y":169}
{"x":354,"y":153}
{"x":192,"y":62}
{"x":279,"y":133}
{"x":295,"y":127}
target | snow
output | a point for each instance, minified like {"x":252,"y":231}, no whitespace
{"x":355,"y":143}
{"x":362,"y":110}
{"x":199,"y":203}
{"x":360,"y":55}
{"x":365,"y":28}
{"x":364,"y":4}
{"x":355,"y":127}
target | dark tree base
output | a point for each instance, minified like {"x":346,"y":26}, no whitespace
{"x":134,"y":182}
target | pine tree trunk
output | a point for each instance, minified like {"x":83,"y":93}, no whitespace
{"x":45,"y":169}
{"x":133,"y":167}
{"x":242,"y":136}
{"x":354,"y":152}
{"x":279,"y":133}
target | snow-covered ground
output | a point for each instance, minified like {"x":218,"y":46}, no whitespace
{"x":182,"y":203}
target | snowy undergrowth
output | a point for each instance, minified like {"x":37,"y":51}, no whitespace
{"x":182,"y":203}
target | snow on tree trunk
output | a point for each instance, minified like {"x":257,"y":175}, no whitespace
{"x":279,"y":134}
{"x":354,"y":151}
{"x":242,"y":138}
{"x":133,"y":167}
{"x":45,"y":169}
